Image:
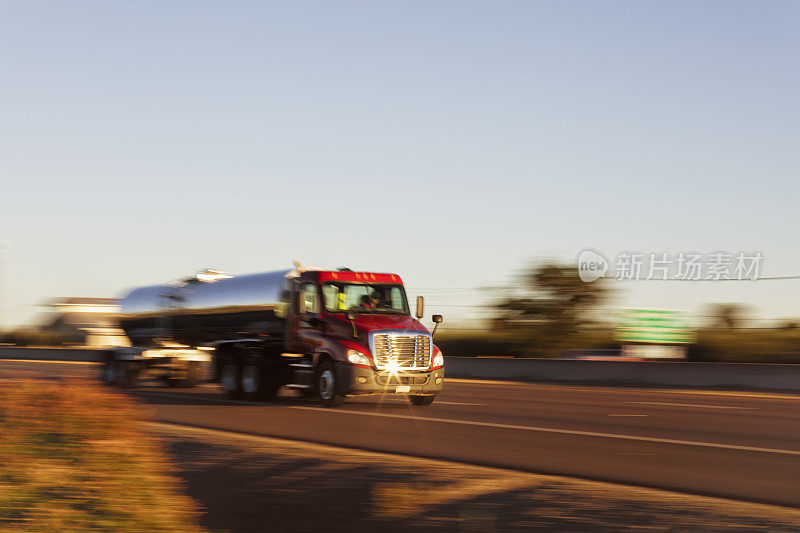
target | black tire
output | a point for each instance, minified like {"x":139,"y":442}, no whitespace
{"x":422,"y":400}
{"x":127,"y":374}
{"x":249,"y":378}
{"x":108,"y":371}
{"x":259,"y":380}
{"x":230,"y":377}
{"x":123,"y":374}
{"x":192,"y":376}
{"x":327,"y":385}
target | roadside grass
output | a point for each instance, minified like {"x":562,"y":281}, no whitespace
{"x":74,"y":457}
{"x":514,"y":343}
{"x":747,"y":345}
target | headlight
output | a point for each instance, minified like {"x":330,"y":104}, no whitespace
{"x":438,"y":360}
{"x":357,"y":358}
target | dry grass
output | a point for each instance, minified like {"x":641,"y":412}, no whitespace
{"x":747,"y":345}
{"x":74,"y":457}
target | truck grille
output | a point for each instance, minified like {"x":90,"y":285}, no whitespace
{"x":411,"y":351}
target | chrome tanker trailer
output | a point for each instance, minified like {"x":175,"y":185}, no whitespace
{"x":327,"y":333}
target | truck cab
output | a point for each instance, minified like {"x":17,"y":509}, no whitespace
{"x":356,"y":331}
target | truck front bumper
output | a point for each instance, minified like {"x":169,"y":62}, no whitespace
{"x":355,"y":380}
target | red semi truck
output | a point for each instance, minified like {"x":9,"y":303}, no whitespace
{"x":328,"y":333}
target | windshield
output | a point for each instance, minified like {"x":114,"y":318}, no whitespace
{"x":364,"y":298}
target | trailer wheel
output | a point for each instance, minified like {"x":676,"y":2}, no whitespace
{"x":422,"y":400}
{"x":260,"y":380}
{"x":250,"y":379}
{"x":326,"y":385}
{"x":108,"y":372}
{"x":123,"y":374}
{"x":230,"y":377}
{"x":127,"y":374}
{"x":191,"y":376}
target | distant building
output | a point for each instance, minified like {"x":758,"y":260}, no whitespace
{"x":89,"y":322}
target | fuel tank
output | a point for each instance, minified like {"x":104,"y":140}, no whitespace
{"x":204,"y":310}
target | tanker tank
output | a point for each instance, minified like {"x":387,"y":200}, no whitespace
{"x":208,"y":309}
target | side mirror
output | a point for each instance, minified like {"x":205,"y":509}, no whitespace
{"x":420,"y":307}
{"x":437,"y":319}
{"x":351,"y":316}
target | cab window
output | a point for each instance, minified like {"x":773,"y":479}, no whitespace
{"x":308,"y":292}
{"x":364,"y":298}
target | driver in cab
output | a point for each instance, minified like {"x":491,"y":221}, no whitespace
{"x":373,"y":301}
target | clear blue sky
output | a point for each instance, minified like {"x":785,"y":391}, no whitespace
{"x":448,"y":141}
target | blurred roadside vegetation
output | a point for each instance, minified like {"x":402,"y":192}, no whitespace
{"x":762,"y":345}
{"x":32,"y":337}
{"x":778,"y":345}
{"x":74,"y":458}
{"x":550,"y":312}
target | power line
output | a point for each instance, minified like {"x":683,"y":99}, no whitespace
{"x":455,"y":289}
{"x":766,"y":278}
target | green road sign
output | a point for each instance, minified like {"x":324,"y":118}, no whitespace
{"x":654,"y":326}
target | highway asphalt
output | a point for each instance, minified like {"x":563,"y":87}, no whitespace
{"x":737,"y":445}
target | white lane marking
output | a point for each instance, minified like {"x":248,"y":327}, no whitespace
{"x":693,"y":405}
{"x":627,"y":415}
{"x":562,"y":431}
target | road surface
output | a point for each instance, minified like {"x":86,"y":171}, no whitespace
{"x":731,"y":444}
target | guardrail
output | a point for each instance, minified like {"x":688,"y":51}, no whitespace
{"x":784,"y":377}
{"x":50,"y":354}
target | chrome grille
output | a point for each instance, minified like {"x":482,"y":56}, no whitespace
{"x":411,"y":351}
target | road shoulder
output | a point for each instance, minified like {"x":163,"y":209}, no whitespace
{"x":253,"y":483}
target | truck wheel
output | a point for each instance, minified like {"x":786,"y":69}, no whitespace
{"x":192,"y":377}
{"x":326,"y":385}
{"x":229,"y":376}
{"x":250,"y":376}
{"x":108,"y":374}
{"x":127,"y":374}
{"x":260,"y":381}
{"x":422,"y":400}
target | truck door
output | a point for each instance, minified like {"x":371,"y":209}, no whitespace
{"x":302,"y":326}
{"x":308,"y":322}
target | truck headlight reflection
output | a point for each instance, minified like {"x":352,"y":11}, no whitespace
{"x":357,"y":358}
{"x":393,"y":367}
